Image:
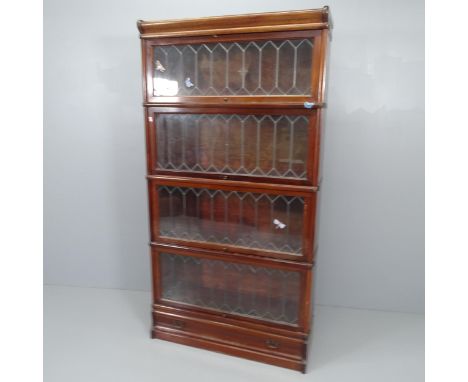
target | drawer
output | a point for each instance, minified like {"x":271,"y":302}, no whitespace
{"x":233,"y":221}
{"x":232,"y":335}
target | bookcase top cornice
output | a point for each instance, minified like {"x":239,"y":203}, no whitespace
{"x":232,"y":24}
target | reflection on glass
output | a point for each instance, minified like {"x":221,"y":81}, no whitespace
{"x":164,"y":87}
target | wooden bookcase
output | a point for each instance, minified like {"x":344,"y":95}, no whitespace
{"x":233,"y":107}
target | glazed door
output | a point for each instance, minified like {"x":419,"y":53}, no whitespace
{"x":277,"y":146}
{"x":252,"y":67}
{"x":233,"y":221}
{"x":257,"y":292}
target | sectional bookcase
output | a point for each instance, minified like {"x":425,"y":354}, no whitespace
{"x":233,"y":108}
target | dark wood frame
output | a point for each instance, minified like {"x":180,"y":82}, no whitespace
{"x":217,"y":325}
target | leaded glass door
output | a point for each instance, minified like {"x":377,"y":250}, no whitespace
{"x":261,"y":67}
{"x":232,"y":221}
{"x":265,"y":292}
{"x":275,"y":146}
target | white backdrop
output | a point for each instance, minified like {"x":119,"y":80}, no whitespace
{"x":371,"y":237}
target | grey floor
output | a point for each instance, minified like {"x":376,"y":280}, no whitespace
{"x":103,"y":335}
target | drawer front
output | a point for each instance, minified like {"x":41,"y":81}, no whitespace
{"x":234,"y":288}
{"x":233,"y":221}
{"x":232,"y":335}
{"x":280,"y":146}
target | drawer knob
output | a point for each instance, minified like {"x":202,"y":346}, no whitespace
{"x":272,"y":344}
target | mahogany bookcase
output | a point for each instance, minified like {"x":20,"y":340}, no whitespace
{"x":233,"y":107}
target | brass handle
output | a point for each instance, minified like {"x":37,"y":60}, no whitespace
{"x":272,"y":344}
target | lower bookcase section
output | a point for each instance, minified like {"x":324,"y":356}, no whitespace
{"x":228,"y":338}
{"x":247,"y":306}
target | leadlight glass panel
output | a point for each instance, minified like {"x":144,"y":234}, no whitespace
{"x":261,"y":145}
{"x":255,"y":68}
{"x":244,"y":219}
{"x":243,"y":289}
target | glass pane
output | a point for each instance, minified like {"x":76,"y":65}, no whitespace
{"x":245,"y":219}
{"x":243,"y":289}
{"x":281,"y":67}
{"x":262,"y":145}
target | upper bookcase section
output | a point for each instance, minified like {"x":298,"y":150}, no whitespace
{"x":268,"y":59}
